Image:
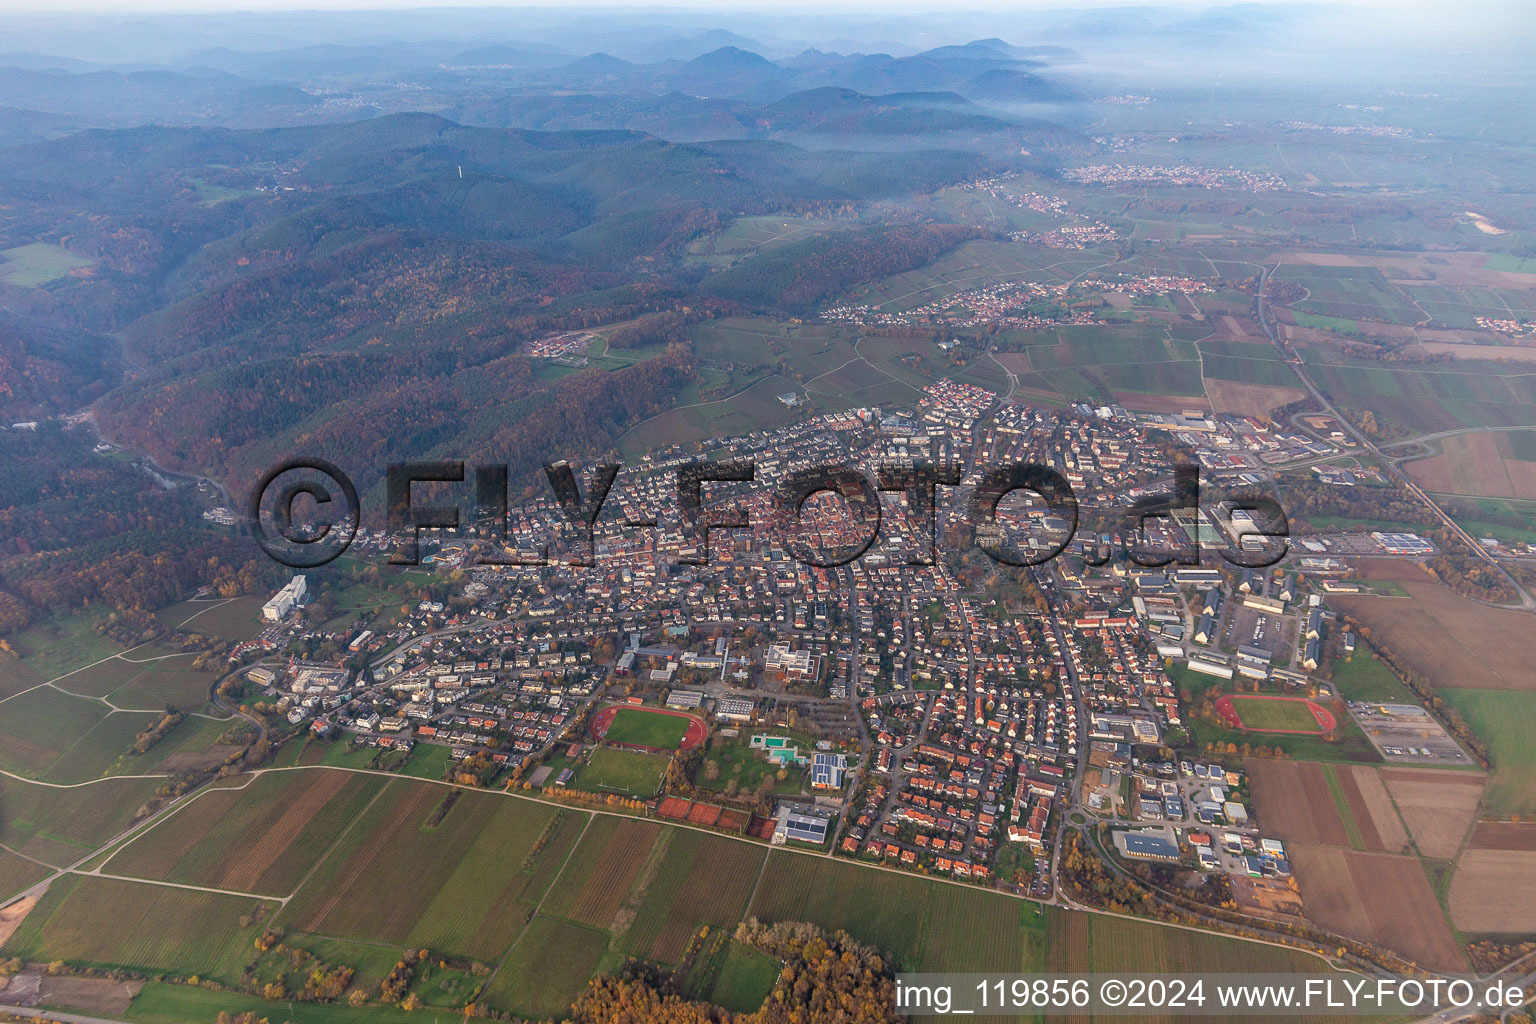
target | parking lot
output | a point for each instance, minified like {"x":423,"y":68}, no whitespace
{"x":1407,"y":734}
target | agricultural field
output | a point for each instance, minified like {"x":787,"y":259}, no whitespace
{"x":547,"y":968}
{"x":925,"y":924}
{"x":1426,"y":399}
{"x":63,"y":643}
{"x":1350,"y":293}
{"x":689,"y":879}
{"x":1506,"y":721}
{"x":1452,"y":641}
{"x":60,"y":826}
{"x":262,"y":839}
{"x":1491,"y":891}
{"x":37,"y":264}
{"x":146,"y":680}
{"x":16,"y":676}
{"x":465,"y":874}
{"x":1327,"y":805}
{"x":746,"y":236}
{"x":1437,"y":806}
{"x":234,"y":619}
{"x":38,"y":728}
{"x":1482,"y":464}
{"x":1081,"y":943}
{"x":17,"y":873}
{"x":602,"y":870}
{"x":152,"y":928}
{"x":1255,"y":400}
{"x":1379,"y":898}
{"x":161,"y":1003}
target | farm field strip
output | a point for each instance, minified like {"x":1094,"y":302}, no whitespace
{"x":260,"y":838}
{"x":152,"y":927}
{"x":458,"y":883}
{"x":1379,"y":898}
{"x":702,"y":879}
{"x":602,"y":870}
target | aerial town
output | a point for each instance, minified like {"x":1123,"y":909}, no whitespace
{"x":923,"y":705}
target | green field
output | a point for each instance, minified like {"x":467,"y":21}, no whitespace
{"x":147,"y":680}
{"x":608,"y":770}
{"x":1511,"y":264}
{"x":37,"y":729}
{"x":698,"y":879}
{"x":1330,"y":323}
{"x":150,"y":928}
{"x":235,"y":619}
{"x":547,"y":968}
{"x":746,"y":977}
{"x":465,"y":885}
{"x":644,"y":728}
{"x":925,"y":924}
{"x":1364,"y":677}
{"x":63,"y":643}
{"x":1350,"y":293}
{"x":161,"y":1003}
{"x":1506,"y":721}
{"x":31,"y":266}
{"x":17,"y":873}
{"x":261,"y":839}
{"x":60,"y":826}
{"x":1425,"y":399}
{"x":1261,"y":714}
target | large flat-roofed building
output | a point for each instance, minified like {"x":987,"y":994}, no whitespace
{"x":733,"y":709}
{"x":285,"y":600}
{"x":801,"y":825}
{"x":827,"y":771}
{"x":1142,"y":846}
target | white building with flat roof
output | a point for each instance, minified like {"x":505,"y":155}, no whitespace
{"x":285,"y":600}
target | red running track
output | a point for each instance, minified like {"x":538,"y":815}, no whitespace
{"x":697,"y":732}
{"x":1227,"y":712}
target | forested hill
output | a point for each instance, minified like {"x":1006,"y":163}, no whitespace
{"x":802,"y":274}
{"x":371,"y":285}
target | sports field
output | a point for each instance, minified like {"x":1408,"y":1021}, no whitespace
{"x":652,"y":728}
{"x":643,"y":728}
{"x":621,"y":771}
{"x":1275,"y":714}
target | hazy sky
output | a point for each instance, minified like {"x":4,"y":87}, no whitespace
{"x":1389,"y":7}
